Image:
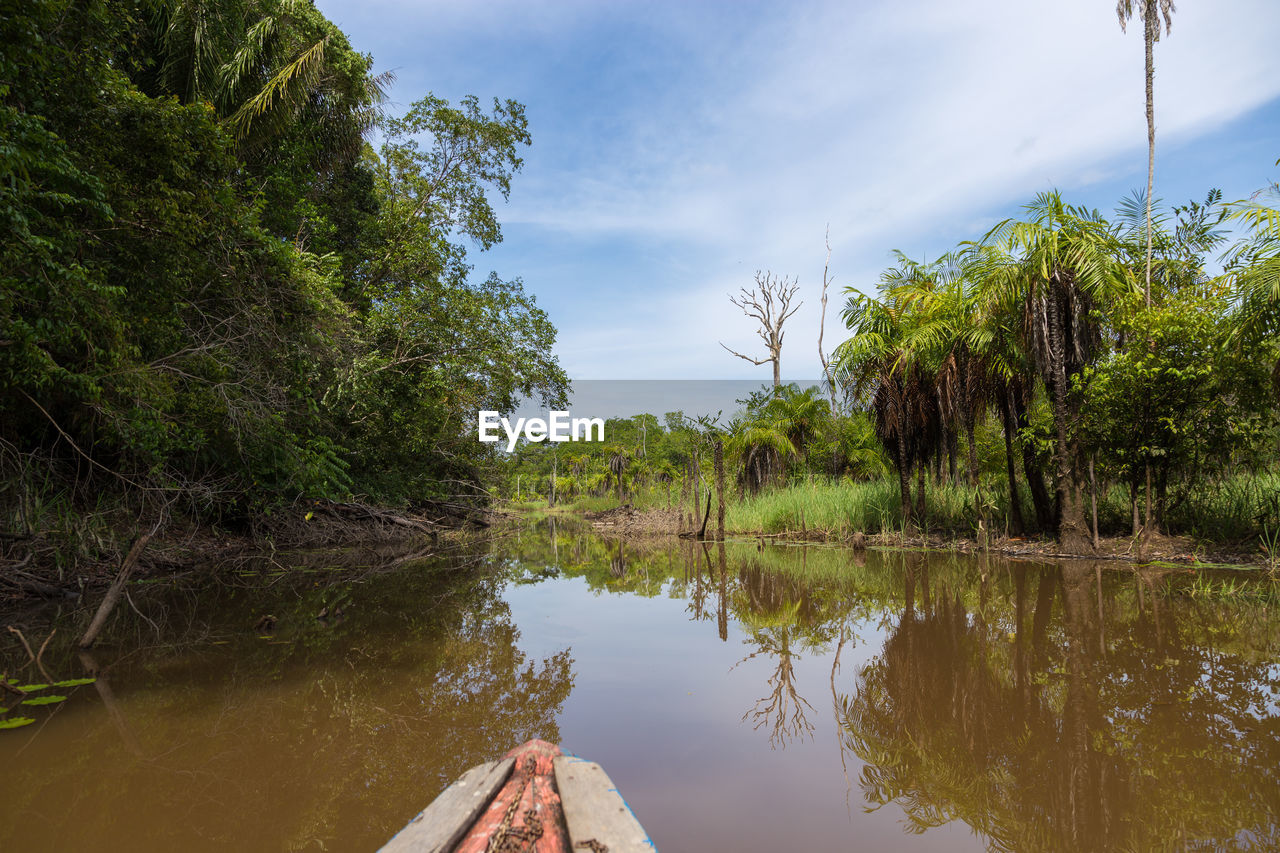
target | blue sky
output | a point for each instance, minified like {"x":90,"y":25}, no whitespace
{"x":679,"y":147}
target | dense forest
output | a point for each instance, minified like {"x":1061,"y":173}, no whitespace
{"x":219,"y":298}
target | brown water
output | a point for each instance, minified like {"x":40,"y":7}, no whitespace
{"x":757,"y":700}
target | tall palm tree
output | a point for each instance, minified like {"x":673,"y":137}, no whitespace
{"x":1058,"y":264}
{"x":868,"y":363}
{"x":1150,"y":11}
{"x":998,"y":336}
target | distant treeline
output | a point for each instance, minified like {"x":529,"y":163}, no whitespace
{"x":216,"y":293}
{"x":1036,"y":369}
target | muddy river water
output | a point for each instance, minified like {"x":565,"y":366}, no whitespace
{"x":744,"y":698}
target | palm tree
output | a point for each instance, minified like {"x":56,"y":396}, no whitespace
{"x":1253,"y":268}
{"x":996,"y":334}
{"x":1150,"y":12}
{"x":780,"y":429}
{"x":762,"y":450}
{"x":877,"y":366}
{"x":263,"y":66}
{"x":1058,"y":265}
{"x":800,"y":415}
{"x":945,"y":307}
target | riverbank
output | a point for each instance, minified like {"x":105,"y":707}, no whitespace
{"x":628,"y":521}
{"x":83,"y":557}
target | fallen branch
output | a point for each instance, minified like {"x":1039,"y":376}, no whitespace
{"x":35,"y":656}
{"x":117,"y":587}
{"x":27,"y":582}
{"x":22,"y":639}
{"x":40,"y":654}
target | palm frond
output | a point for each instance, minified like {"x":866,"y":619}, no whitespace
{"x":284,"y":90}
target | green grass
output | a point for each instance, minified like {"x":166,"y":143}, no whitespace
{"x":1242,"y":510}
{"x":844,"y":508}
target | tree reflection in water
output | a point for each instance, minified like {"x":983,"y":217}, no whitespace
{"x":1048,"y":707}
{"x":324,"y":737}
{"x":1060,"y":738}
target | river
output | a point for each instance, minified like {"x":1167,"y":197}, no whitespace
{"x":749,"y":697}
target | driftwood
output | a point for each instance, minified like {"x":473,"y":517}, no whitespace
{"x":30,"y":583}
{"x":375,"y":514}
{"x":116,"y":588}
{"x":35,"y":658}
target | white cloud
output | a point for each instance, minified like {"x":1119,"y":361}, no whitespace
{"x":890,"y":121}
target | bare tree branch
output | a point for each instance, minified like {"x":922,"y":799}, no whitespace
{"x":769,"y":304}
{"x":822,"y":325}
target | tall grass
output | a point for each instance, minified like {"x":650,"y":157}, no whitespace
{"x":1237,"y":510}
{"x":844,"y":508}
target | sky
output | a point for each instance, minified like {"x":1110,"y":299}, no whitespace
{"x":680,"y":147}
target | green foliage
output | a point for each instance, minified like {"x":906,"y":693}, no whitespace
{"x":15,"y":722}
{"x":435,"y":348}
{"x":216,"y":293}
{"x":1179,"y":399}
{"x":1043,"y":326}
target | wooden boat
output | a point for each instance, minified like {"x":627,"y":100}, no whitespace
{"x":535,"y":799}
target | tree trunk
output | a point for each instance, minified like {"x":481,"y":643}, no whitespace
{"x":706,"y":516}
{"x":920,"y":483}
{"x":904,"y":480}
{"x":719,"y":458}
{"x":696,"y":475}
{"x":115,"y":590}
{"x":1162,"y":498}
{"x":1017,"y":526}
{"x":1031,"y":469}
{"x":1133,"y":504}
{"x":1072,"y":535}
{"x":953,"y":450}
{"x":1150,"y":25}
{"x":973,"y":451}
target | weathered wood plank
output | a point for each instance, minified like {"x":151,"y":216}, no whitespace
{"x":439,"y":826}
{"x":595,"y":811}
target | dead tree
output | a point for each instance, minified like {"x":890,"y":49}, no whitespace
{"x":826,"y":365}
{"x":769,"y":303}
